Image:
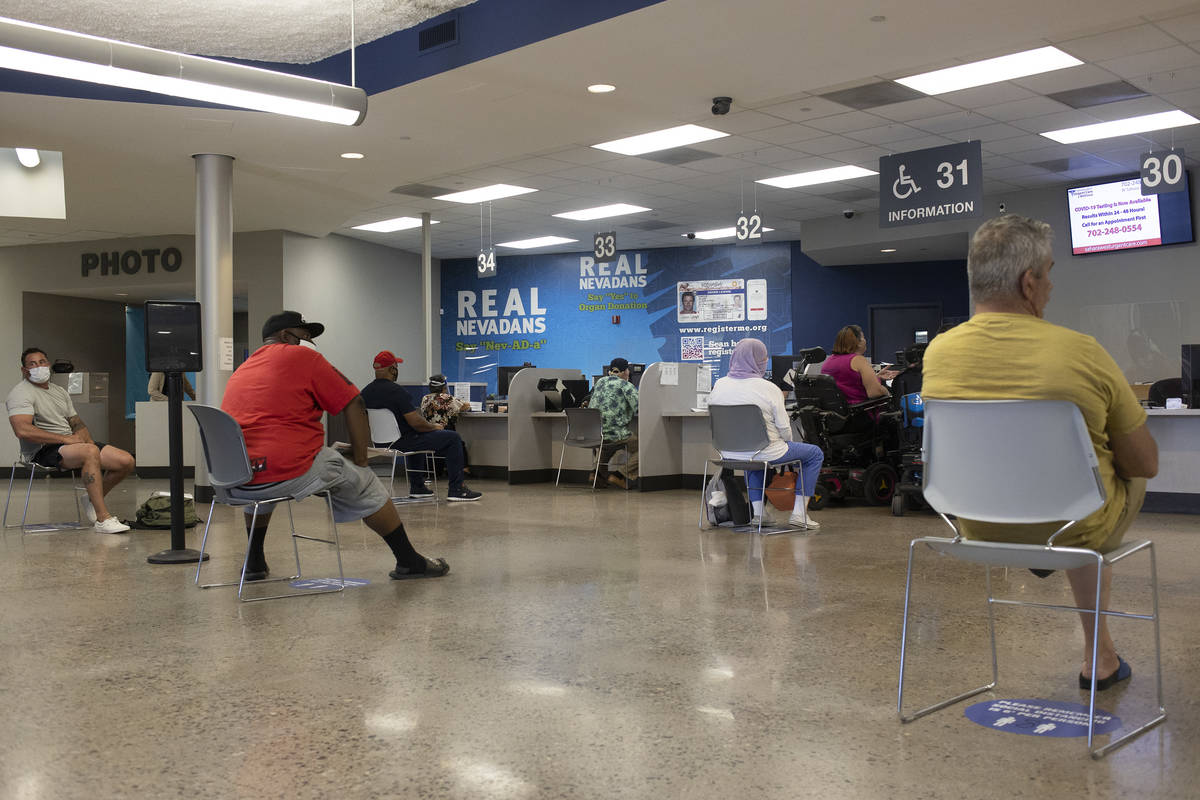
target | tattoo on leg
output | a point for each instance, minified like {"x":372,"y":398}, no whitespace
{"x":89,"y":478}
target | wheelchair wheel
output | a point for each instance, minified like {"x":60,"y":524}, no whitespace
{"x":898,"y":504}
{"x":819,"y":497}
{"x":879,"y":484}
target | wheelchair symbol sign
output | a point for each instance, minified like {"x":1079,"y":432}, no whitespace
{"x":910,"y":186}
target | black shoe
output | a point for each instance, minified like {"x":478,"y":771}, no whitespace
{"x":433,"y":568}
{"x":420,"y":491}
{"x":463,"y":495}
{"x":257,"y":574}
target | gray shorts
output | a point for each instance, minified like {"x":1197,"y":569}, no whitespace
{"x":354,"y":490}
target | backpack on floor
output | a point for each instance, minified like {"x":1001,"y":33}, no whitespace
{"x":156,"y":511}
{"x":725,"y":501}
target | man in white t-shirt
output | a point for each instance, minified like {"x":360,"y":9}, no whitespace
{"x":52,"y":434}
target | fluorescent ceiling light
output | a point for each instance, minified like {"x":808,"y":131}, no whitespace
{"x":600,"y":212}
{"x":992,"y":70}
{"x":352,"y":155}
{"x":485,"y":193}
{"x":64,"y":54}
{"x":817,"y":176}
{"x":888,"y":250}
{"x":721,"y":233}
{"x":1122,"y":127}
{"x":660,"y":140}
{"x":28,"y":157}
{"x":601,"y":88}
{"x":541,"y":241}
{"x":393,"y":225}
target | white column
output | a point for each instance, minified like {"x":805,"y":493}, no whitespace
{"x":427,"y":289}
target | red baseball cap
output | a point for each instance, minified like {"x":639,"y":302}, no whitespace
{"x":385,"y":359}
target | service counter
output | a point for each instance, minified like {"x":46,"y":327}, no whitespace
{"x":1176,"y":488}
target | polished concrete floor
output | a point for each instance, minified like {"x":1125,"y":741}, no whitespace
{"x":583,"y":646}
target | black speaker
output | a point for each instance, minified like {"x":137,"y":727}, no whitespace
{"x":173,"y":337}
{"x":1189,"y":365}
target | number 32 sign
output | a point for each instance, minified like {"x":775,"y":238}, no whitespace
{"x":1162,"y":172}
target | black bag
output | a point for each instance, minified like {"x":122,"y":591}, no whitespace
{"x":156,"y":512}
{"x":729,"y":492}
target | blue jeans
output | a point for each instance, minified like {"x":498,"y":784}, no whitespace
{"x":446,"y":444}
{"x":811,"y":457}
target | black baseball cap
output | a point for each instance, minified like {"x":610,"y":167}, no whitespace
{"x":618,"y":365}
{"x":437,"y":380}
{"x":290,"y":319}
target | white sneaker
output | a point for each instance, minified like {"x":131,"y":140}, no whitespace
{"x":798,"y":521}
{"x":111,"y":525}
{"x":89,"y":511}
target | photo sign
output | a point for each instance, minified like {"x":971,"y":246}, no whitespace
{"x":940,"y":183}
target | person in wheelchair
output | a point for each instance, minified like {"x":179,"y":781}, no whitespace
{"x":851,"y":370}
{"x":745,"y":385}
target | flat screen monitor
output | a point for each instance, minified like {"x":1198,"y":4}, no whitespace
{"x":504,"y":377}
{"x":173,"y":337}
{"x":574,"y":391}
{"x":780,"y":365}
{"x":1115,"y":215}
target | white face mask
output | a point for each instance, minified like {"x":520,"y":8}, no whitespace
{"x":39,"y":374}
{"x":306,"y":343}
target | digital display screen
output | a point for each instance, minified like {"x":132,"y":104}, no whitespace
{"x":1117,"y":216}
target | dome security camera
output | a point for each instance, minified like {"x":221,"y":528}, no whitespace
{"x":720,"y":105}
{"x":848,"y":213}
{"x":1003,"y":208}
{"x":691,"y":236}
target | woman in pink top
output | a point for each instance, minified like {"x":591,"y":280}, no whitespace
{"x":851,"y":371}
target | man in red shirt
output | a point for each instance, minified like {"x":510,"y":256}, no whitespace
{"x":277,"y":397}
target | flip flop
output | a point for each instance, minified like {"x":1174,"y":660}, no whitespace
{"x":1123,"y":672}
{"x":434,"y":568}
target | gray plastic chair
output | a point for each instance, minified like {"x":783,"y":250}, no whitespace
{"x":385,"y":430}
{"x":979,"y":464}
{"x":585,"y":428}
{"x":742,"y":428}
{"x":42,"y":527}
{"x":228,"y":468}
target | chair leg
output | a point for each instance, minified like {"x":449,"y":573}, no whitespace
{"x":204,"y":540}
{"x":904,"y":651}
{"x":596,"y":467}
{"x":28,"y":492}
{"x":12,"y":474}
{"x":392,"y":485}
{"x":703,"y":495}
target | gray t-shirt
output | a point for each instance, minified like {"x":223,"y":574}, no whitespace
{"x":51,"y":408}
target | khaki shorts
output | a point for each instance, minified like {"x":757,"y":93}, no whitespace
{"x":1135,"y":496}
{"x":355,"y":491}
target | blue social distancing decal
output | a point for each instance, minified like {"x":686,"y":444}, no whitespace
{"x":326,"y":583}
{"x":1040,"y":717}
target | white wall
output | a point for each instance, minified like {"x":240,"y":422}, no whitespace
{"x":368,"y":297}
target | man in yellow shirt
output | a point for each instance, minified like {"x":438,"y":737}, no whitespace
{"x":1027,"y":358}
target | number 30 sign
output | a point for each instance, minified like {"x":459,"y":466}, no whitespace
{"x":1162,"y":172}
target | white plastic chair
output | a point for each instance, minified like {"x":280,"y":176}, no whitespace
{"x":1018,"y":461}
{"x":385,"y":430}
{"x":228,"y":468}
{"x":42,"y":527}
{"x":742,"y":428}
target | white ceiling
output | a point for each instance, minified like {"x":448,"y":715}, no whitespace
{"x":524,"y":117}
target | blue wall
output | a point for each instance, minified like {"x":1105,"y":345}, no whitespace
{"x":824,"y":299}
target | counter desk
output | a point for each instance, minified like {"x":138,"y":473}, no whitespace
{"x":1176,"y":488}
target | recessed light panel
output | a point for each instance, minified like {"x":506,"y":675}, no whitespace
{"x":601,"y":88}
{"x":393,"y":225}
{"x":721,"y":233}
{"x":601,"y":212}
{"x":1122,"y":127}
{"x":992,"y":70}
{"x":541,"y":241}
{"x":485,"y":193}
{"x":660,"y":140}
{"x":817,"y":176}
{"x":352,"y":155}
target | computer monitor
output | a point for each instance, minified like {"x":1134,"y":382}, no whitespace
{"x":504,"y":377}
{"x":574,"y":390}
{"x":779,"y":368}
{"x":635,"y":373}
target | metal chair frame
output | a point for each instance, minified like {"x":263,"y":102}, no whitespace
{"x":228,"y":469}
{"x":42,"y":527}
{"x":384,"y":428}
{"x":742,"y":427}
{"x":588,"y":426}
{"x":1021,"y":422}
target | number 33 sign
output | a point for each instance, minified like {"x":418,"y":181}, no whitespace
{"x":604,"y":246}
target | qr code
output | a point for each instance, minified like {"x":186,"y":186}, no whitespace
{"x":691,"y":348}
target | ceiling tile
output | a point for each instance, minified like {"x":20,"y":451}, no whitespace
{"x":1185,"y":28}
{"x":744,"y":122}
{"x":805,"y":109}
{"x":1014,"y":144}
{"x":1173,"y":81}
{"x":852,"y":121}
{"x":923,"y":108}
{"x":1130,"y":108}
{"x":1061,"y":80}
{"x":1098,"y":94}
{"x":1023,"y":109}
{"x":1171,"y":58}
{"x":786,"y":134}
{"x":873,"y":95}
{"x":1054,"y":122}
{"x":991,"y":95}
{"x":948,"y":123}
{"x":1129,"y":41}
{"x":885,"y":134}
{"x":826,"y":144}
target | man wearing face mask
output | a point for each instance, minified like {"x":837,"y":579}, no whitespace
{"x":52,"y":434}
{"x":277,"y":397}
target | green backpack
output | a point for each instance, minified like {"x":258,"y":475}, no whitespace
{"x":156,"y":511}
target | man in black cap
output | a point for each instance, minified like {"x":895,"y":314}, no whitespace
{"x":277,"y":397}
{"x":617,"y":400}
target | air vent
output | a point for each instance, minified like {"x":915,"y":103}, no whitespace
{"x":438,"y":35}
{"x":678,"y":155}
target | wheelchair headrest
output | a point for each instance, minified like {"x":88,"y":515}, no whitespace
{"x":820,"y":391}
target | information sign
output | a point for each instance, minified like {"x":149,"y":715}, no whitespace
{"x":940,"y":183}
